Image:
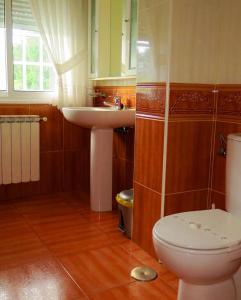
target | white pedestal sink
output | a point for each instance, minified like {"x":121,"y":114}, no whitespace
{"x":101,"y":120}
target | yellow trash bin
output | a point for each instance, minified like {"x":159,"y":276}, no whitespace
{"x":125,"y":211}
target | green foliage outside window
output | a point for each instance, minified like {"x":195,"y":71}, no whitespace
{"x":18,"y":77}
{"x":32,"y":49}
{"x":18,"y":51}
{"x":33,"y":78}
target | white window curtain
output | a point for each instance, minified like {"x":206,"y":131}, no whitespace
{"x":63,"y":25}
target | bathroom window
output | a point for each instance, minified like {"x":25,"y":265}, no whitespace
{"x":23,"y":58}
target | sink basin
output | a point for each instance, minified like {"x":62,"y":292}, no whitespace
{"x":101,"y":120}
{"x":99,"y":117}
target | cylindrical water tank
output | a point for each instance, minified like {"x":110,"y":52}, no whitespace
{"x":233,"y":174}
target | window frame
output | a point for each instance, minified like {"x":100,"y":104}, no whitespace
{"x":10,"y":95}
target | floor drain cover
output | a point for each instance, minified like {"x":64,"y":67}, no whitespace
{"x":143,"y":274}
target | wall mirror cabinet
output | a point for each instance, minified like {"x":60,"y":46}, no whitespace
{"x":112,"y":38}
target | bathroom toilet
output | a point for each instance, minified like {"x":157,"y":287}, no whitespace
{"x":203,"y":248}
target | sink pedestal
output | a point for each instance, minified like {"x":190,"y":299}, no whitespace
{"x":101,"y":169}
{"x":101,"y":120}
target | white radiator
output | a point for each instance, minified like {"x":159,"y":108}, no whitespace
{"x":19,"y":149}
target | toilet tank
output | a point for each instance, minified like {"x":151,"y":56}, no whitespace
{"x":233,"y":174}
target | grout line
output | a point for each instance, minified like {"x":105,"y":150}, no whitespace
{"x":71,"y":277}
{"x":228,"y":121}
{"x":188,"y":120}
{"x":187,"y":191}
{"x":150,"y":117}
{"x":218,"y":192}
{"x":135,"y":181}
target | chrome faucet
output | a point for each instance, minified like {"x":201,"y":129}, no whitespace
{"x":117,"y":101}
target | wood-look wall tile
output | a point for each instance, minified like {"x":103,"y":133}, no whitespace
{"x":3,"y":194}
{"x":122,"y":178}
{"x":123,"y":145}
{"x":115,"y":144}
{"x":13,"y":191}
{"x":219,"y":166}
{"x":188,"y":156}
{"x":67,"y":135}
{"x":51,"y":132}
{"x":147,"y":210}
{"x":118,"y":177}
{"x":14,"y":109}
{"x":80,"y":138}
{"x":129,"y":150}
{"x":129,"y":174}
{"x":188,"y":201}
{"x":51,"y":172}
{"x":76,"y":171}
{"x":218,"y":199}
{"x":116,"y":183}
{"x":30,"y":189}
{"x":75,"y":137}
{"x":149,"y":139}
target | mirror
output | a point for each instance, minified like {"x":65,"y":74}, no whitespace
{"x":112,"y":38}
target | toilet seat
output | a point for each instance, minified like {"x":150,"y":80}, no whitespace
{"x":207,"y":230}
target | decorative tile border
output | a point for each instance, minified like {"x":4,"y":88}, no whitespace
{"x":196,"y":100}
{"x":151,"y":99}
{"x":229,"y":101}
{"x":191,"y":99}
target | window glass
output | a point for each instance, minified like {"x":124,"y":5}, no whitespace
{"x":33,"y":49}
{"x":3,"y":73}
{"x":18,"y":76}
{"x":18,"y":49}
{"x":32,"y":69}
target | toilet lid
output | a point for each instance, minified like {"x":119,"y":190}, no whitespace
{"x":200,"y":230}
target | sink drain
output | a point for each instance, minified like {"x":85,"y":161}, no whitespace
{"x":143,"y":274}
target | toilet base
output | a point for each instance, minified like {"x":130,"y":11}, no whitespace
{"x":222,"y":291}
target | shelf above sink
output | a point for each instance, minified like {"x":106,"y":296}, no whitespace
{"x":100,"y":117}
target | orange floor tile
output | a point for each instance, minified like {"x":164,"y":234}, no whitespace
{"x":55,"y":248}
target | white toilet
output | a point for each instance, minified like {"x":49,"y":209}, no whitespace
{"x":203,"y":248}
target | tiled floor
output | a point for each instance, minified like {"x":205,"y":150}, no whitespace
{"x":55,"y":248}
